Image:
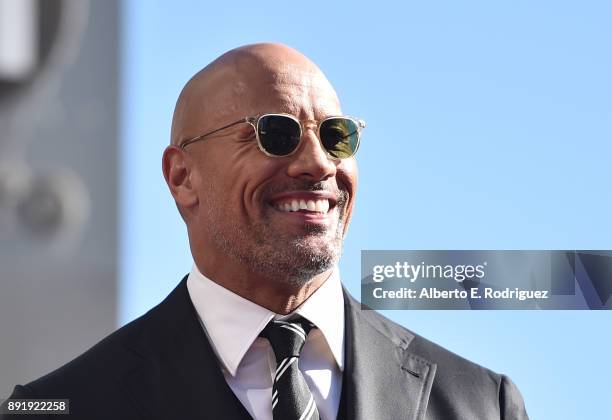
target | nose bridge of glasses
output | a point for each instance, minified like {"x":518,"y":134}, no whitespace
{"x":311,"y":138}
{"x":309,"y":125}
{"x":314,"y":127}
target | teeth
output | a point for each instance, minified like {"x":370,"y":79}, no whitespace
{"x":322,"y":206}
{"x":319,"y":206}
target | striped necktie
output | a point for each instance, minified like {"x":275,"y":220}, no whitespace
{"x":291,"y":398}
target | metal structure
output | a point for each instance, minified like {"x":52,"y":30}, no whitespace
{"x":58,"y":182}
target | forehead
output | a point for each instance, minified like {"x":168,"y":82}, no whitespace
{"x":301,"y":92}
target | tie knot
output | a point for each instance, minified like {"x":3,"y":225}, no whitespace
{"x":287,"y":338}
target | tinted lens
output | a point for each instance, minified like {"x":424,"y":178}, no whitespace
{"x":340,"y":136}
{"x":278,"y":135}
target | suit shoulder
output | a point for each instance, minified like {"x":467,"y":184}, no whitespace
{"x":453,"y":364}
{"x":447,"y":361}
{"x":116,"y":354}
{"x":106,"y":360}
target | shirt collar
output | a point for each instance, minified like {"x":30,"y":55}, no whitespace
{"x":233,"y":322}
{"x":325,"y":309}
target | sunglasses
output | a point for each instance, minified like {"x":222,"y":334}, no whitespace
{"x":280,"y":134}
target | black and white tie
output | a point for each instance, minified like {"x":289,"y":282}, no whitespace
{"x":291,"y":398}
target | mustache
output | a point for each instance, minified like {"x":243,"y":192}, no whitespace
{"x":340,"y":193}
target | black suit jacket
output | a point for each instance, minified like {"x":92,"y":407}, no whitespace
{"x":161,"y":366}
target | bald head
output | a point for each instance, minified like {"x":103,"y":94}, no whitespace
{"x":244,"y":82}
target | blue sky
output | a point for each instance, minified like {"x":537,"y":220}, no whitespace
{"x":489,"y":127}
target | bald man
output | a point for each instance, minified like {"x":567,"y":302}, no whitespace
{"x":262,"y":168}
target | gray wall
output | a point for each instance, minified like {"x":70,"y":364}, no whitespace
{"x":58,"y":187}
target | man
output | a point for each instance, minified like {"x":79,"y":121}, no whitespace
{"x":262,"y":169}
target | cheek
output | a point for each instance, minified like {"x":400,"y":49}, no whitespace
{"x":256,"y":175}
{"x":347,"y":180}
{"x":212,"y":180}
{"x":237,"y":180}
{"x":347,"y":176}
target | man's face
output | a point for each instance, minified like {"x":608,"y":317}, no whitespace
{"x":247,"y":200}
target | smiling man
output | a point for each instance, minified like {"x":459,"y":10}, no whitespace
{"x":262,"y":168}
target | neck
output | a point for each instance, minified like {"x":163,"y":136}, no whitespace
{"x":279,"y":295}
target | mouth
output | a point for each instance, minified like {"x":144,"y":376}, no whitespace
{"x":312,"y":206}
{"x":306,"y":206}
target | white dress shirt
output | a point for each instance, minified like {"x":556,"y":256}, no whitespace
{"x":233,"y":323}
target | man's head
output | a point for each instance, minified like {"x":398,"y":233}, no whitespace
{"x":234,"y":198}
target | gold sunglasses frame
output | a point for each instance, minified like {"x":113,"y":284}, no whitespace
{"x":254,"y":122}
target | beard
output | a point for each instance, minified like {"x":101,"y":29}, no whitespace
{"x":283,"y":257}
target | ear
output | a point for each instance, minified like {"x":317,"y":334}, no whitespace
{"x":177,"y":174}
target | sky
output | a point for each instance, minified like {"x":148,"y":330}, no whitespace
{"x":488,"y":127}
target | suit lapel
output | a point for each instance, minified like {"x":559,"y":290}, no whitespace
{"x":179,"y":375}
{"x":383,"y":379}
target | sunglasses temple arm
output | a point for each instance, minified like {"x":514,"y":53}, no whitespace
{"x":201,"y":137}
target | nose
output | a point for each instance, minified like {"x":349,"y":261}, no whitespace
{"x":310,"y":162}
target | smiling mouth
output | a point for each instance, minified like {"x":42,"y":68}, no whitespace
{"x":306,"y":206}
{"x":320,"y":206}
